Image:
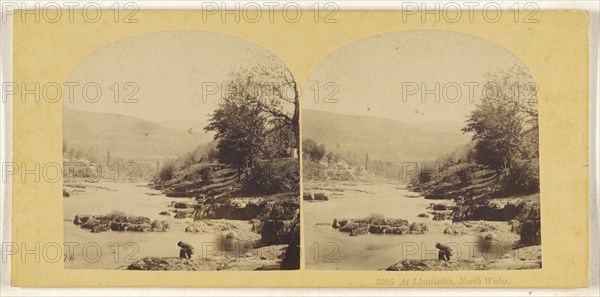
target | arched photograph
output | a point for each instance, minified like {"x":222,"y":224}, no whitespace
{"x":181,"y":153}
{"x":420,"y":152}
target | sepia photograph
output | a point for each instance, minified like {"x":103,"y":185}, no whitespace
{"x":298,"y":147}
{"x":188,"y":160}
{"x":420,"y":152}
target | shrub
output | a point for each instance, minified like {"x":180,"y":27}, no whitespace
{"x":274,"y":176}
{"x":206,"y":174}
{"x":465,"y":176}
{"x":523,"y":178}
{"x":166,"y":172}
{"x":425,"y":176}
{"x":312,"y":150}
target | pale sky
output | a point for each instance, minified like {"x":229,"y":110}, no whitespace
{"x":374,"y":76}
{"x":170,"y":69}
{"x":369,"y":77}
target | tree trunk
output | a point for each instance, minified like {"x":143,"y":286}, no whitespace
{"x":296,"y":118}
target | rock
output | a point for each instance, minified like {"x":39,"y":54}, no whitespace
{"x":183,"y":214}
{"x":475,"y":264}
{"x":457,"y":228}
{"x":307,"y":196}
{"x":418,"y":228}
{"x":192,"y":229}
{"x":530,"y":232}
{"x":166,"y":264}
{"x":249,"y":209}
{"x":440,"y":216}
{"x":182,"y":205}
{"x":338,"y":223}
{"x":100,"y":227}
{"x":160,"y":226}
{"x":378,"y":225}
{"x":440,"y":207}
{"x":256,"y":226}
{"x":277,"y":231}
{"x":79,"y":219}
{"x":165,"y":213}
{"x":423,"y":215}
{"x":495,"y":210}
{"x":360,"y":230}
{"x":291,"y":258}
{"x":117,"y":222}
{"x":320,"y":196}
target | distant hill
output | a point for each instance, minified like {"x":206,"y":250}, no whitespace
{"x":128,"y":137}
{"x":383,"y":139}
{"x":193,"y":127}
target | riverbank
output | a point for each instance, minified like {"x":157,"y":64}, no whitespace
{"x":270,"y":220}
{"x":479,"y":196}
{"x":518,"y":259}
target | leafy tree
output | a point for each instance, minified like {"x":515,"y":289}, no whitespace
{"x":505,"y":127}
{"x":312,"y":150}
{"x":272,"y":89}
{"x":239,"y":131}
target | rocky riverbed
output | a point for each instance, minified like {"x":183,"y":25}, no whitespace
{"x":372,"y":210}
{"x":132,"y":223}
{"x":378,"y":225}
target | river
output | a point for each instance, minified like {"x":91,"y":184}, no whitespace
{"x":114,"y":250}
{"x":329,"y":249}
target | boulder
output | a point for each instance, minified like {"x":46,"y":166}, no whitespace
{"x":116,"y":222}
{"x":418,"y":228}
{"x":160,"y":226}
{"x":378,"y":225}
{"x":182,"y":205}
{"x":440,"y":215}
{"x":320,"y":196}
{"x":307,"y":196}
{"x":277,"y":231}
{"x":291,"y":258}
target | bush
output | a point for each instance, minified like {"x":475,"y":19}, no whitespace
{"x":425,"y":176}
{"x":166,"y":172}
{"x":465,"y":176}
{"x":206,"y":174}
{"x":312,"y":150}
{"x":523,"y":178}
{"x":274,"y":176}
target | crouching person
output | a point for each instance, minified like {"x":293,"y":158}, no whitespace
{"x":187,"y":250}
{"x":445,"y":252}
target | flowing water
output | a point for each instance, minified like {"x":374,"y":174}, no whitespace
{"x":327,"y":248}
{"x":113,"y":250}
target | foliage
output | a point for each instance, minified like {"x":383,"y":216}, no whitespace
{"x":167,"y":172}
{"x":258,"y":118}
{"x":312,"y":150}
{"x":425,"y":176}
{"x":274,"y":176}
{"x":505,"y":129}
{"x":206,"y":174}
{"x":465,"y":175}
{"x":239,"y":131}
